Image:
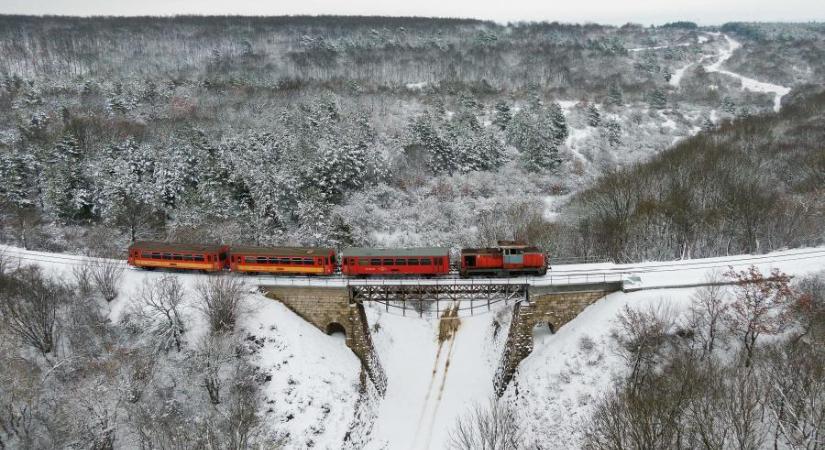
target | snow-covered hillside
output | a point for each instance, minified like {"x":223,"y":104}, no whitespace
{"x":312,"y":389}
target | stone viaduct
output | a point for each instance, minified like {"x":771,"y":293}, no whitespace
{"x":333,"y":309}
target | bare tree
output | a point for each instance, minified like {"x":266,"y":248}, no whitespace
{"x":491,"y":427}
{"x":210,"y":363}
{"x":160,"y":304}
{"x":707,"y":312}
{"x":759,"y":306}
{"x":221,"y":297}
{"x":795,"y":380}
{"x":82,"y":275}
{"x":743,"y":408}
{"x":28,"y":307}
{"x":643,"y":336}
{"x":107,"y":275}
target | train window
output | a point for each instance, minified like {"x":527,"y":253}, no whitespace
{"x":263,"y":260}
{"x":400,"y":262}
{"x":296,"y":260}
{"x":155,"y":255}
{"x":363,"y":262}
{"x":273,"y":260}
{"x":308,"y":261}
{"x":198,"y":258}
{"x":187,"y":257}
{"x":145,"y":255}
{"x":283,"y":260}
{"x":249,"y":259}
{"x":412,"y":262}
{"x":388,"y":262}
{"x":375,"y":262}
{"x":223,"y":256}
{"x":426,"y":261}
{"x":177,"y":257}
{"x":167,"y":256}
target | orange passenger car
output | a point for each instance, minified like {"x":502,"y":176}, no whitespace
{"x":508,"y":258}
{"x":283,"y":260}
{"x":151,"y":255}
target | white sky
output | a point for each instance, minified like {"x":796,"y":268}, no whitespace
{"x":704,"y":12}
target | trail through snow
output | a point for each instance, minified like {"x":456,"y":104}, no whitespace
{"x":748,"y":84}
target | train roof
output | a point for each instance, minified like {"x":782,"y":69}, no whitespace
{"x":492,"y":250}
{"x":388,"y":252}
{"x":157,"y":246}
{"x":282,"y":251}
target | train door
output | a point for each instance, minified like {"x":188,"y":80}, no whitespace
{"x":469,"y":261}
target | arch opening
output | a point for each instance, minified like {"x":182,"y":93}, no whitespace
{"x":543,"y":329}
{"x":335,"y":328}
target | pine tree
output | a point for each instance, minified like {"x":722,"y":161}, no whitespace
{"x":658,"y":100}
{"x":594,"y":118}
{"x":728,"y":105}
{"x":707,"y":124}
{"x":615,"y":96}
{"x":503,"y":115}
{"x":558,"y":123}
{"x":613,"y":130}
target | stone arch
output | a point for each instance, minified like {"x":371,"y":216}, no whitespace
{"x":335,"y":327}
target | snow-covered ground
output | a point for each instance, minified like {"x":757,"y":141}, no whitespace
{"x":748,"y":84}
{"x":557,"y":385}
{"x":430,"y":383}
{"x":314,"y":387}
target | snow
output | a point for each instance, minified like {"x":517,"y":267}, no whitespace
{"x":748,"y":84}
{"x":416,"y":86}
{"x":314,"y":387}
{"x":676,"y":78}
{"x":315,"y":378}
{"x":430,"y":385}
{"x":560,"y":381}
{"x":658,"y":47}
{"x":314,"y":381}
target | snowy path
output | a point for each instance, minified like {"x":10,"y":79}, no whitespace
{"x":676,"y":78}
{"x":748,"y":84}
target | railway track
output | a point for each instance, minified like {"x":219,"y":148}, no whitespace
{"x":558,"y":275}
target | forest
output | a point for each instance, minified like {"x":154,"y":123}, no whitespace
{"x":357,"y":130}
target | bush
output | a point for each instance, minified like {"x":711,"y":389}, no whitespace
{"x":221,"y":297}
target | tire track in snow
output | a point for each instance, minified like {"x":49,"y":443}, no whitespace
{"x":447,"y":328}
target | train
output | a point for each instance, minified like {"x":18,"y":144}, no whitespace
{"x":507,"y":258}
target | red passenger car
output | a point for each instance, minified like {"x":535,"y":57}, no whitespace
{"x":508,"y":258}
{"x":283,"y":260}
{"x":150,"y":255}
{"x":395,"y":261}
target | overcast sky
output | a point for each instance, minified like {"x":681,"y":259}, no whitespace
{"x":705,"y":12}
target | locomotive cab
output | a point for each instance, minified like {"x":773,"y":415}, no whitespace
{"x":506,"y":259}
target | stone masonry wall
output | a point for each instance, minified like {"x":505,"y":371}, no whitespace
{"x":554,"y":309}
{"x":324,"y":307}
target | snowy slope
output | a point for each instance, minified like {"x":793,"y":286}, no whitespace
{"x":313,"y":390}
{"x":313,"y":385}
{"x":748,"y":84}
{"x":557,"y":385}
{"x":430,"y":384}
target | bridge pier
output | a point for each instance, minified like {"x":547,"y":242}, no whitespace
{"x":330,"y":309}
{"x":551,"y":305}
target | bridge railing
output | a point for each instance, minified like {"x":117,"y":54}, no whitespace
{"x":551,"y":279}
